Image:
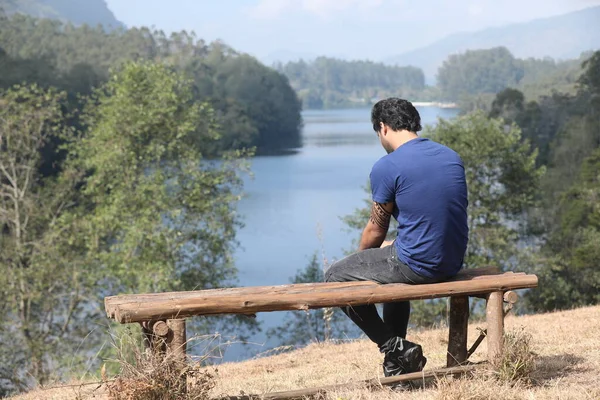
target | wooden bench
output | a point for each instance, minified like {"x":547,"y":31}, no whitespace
{"x":162,"y":315}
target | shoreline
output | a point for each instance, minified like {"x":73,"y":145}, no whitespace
{"x":438,"y":104}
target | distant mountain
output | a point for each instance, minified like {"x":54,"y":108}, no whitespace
{"x":560,"y":37}
{"x":79,"y":12}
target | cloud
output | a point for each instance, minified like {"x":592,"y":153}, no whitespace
{"x":270,"y":9}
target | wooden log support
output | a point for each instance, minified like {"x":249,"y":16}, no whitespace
{"x":154,"y":335}
{"x":176,"y":340}
{"x":135,"y":308}
{"x":147,"y":337}
{"x":482,"y":335}
{"x":160,"y":328}
{"x":319,"y":392}
{"x":510,"y":297}
{"x":495,"y":326}
{"x":458,"y":324}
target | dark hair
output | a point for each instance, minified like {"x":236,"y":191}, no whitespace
{"x":398,"y":114}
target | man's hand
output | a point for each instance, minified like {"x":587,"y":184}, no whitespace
{"x":374,"y":233}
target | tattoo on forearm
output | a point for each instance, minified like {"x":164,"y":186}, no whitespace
{"x":380,"y":217}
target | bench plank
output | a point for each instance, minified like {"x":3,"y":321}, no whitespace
{"x":127,"y":309}
{"x":112,"y":302}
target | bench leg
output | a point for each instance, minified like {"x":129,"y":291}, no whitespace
{"x":458,"y":324}
{"x":176,"y":339}
{"x":154,"y":333}
{"x":495,"y":326}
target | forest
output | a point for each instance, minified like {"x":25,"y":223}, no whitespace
{"x":470,"y":79}
{"x":477,"y":75}
{"x":332,"y":83}
{"x":255,"y":103}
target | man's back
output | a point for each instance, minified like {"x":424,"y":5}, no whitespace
{"x":426,"y":181}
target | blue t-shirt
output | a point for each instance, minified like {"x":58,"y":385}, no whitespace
{"x":426,"y":180}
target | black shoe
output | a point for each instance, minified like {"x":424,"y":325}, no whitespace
{"x":402,"y":357}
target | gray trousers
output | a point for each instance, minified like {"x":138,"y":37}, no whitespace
{"x":381,"y":266}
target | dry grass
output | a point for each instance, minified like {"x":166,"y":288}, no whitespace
{"x":146,"y":375}
{"x":518,"y":361}
{"x":154,"y":378}
{"x":566,"y":346}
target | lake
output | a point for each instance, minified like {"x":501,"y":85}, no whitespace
{"x":294,"y":203}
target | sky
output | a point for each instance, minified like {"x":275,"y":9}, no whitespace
{"x":351,"y":29}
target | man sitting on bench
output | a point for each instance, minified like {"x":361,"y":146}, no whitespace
{"x":422,"y":184}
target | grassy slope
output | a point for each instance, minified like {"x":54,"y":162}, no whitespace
{"x":566,"y":343}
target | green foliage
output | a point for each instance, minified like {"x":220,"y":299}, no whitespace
{"x":267,"y":101}
{"x":156,"y":215}
{"x":541,"y":121}
{"x":254,"y":104}
{"x":329,"y":82}
{"x":43,"y":284}
{"x":478,"y":71}
{"x":303,"y":327}
{"x":544,"y":77}
{"x":135,"y":207}
{"x":571,"y":276}
{"x":502,"y":181}
{"x":569,"y":217}
{"x":473,"y":78}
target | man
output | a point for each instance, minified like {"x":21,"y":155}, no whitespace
{"x":422,"y":184}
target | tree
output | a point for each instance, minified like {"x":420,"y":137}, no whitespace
{"x":540,"y":121}
{"x":570,"y":276}
{"x":255,"y":105}
{"x":303,"y":327}
{"x":569,"y":216}
{"x":329,"y":82}
{"x":156,"y":215}
{"x":265,"y":96}
{"x":502,"y":181}
{"x":42,"y":284}
{"x":478,"y":71}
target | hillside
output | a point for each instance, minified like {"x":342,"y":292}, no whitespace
{"x":333,"y":83}
{"x":565,"y":345}
{"x":91,"y":12}
{"x":561,"y":37}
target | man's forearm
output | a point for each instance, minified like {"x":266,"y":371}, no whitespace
{"x":371,"y":238}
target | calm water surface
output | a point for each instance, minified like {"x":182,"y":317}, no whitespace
{"x":294,"y":203}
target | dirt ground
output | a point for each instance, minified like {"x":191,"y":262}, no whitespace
{"x":567,"y":357}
